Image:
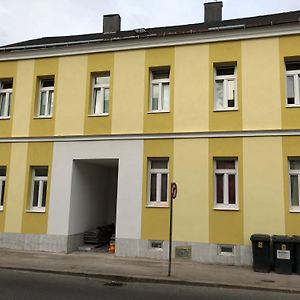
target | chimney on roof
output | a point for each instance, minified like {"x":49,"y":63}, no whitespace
{"x":111,"y":23}
{"x":213,"y":12}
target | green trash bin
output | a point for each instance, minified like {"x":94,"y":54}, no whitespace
{"x":283,"y":247}
{"x":261,"y":250}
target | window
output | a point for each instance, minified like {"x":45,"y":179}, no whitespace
{"x":225,"y":88}
{"x":294,"y":175}
{"x":100,"y":95}
{"x":226,"y":250}
{"x":226,"y":183}
{"x":292,"y":83}
{"x":158,"y":182}
{"x":5,"y":97}
{"x":39,"y":189}
{"x":45,"y":103}
{"x":2,"y":185}
{"x":160,"y":91}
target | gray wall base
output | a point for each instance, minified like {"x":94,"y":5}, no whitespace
{"x":41,"y":242}
{"x":200,"y":252}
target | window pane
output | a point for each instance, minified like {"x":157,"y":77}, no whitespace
{"x":2,"y":171}
{"x":2,"y":105}
{"x":7,"y":84}
{"x":225,"y":71}
{"x":295,"y":164}
{"x":102,"y":80}
{"x":159,"y":164}
{"x":2,"y":188}
{"x":35,"y":193}
{"x":225,"y":164}
{"x":153,"y":187}
{"x":290,"y":90}
{"x":155,"y":95}
{"x":47,"y":82}
{"x":106,"y":100}
{"x":294,"y":190}
{"x":97,"y":101}
{"x":231,"y":93}
{"x":44,"y":194}
{"x":163,"y":74}
{"x":164,"y":187}
{"x":219,"y":94}
{"x":220,"y":186}
{"x":165,"y":96}
{"x":292,"y":65}
{"x":43,"y":103}
{"x":231,"y":189}
{"x":41,"y":172}
{"x":8,"y":111}
{"x":50,"y":101}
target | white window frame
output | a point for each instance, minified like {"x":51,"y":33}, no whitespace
{"x":226,"y":172}
{"x":48,"y":89}
{"x":295,"y":172}
{"x":295,"y":74}
{"x":7,"y":99}
{"x":159,"y":82}
{"x":2,"y":179}
{"x":102,"y":88}
{"x":41,"y":180}
{"x":158,"y":172}
{"x":225,"y":79}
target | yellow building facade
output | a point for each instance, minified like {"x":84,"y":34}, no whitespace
{"x":94,"y":134}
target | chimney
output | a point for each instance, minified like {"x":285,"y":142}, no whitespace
{"x":213,"y":12}
{"x":111,"y":23}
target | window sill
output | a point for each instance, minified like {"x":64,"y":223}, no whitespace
{"x":227,"y":208}
{"x":157,"y":205}
{"x":292,"y":106}
{"x":226,"y":109}
{"x":158,"y":112}
{"x":40,"y":210}
{"x":42,"y":117}
{"x":295,"y":210}
{"x":1,"y":208}
{"x":4,"y":118}
{"x":99,"y":115}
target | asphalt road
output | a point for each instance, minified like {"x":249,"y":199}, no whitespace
{"x":29,"y":285}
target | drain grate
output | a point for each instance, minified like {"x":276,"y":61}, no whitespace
{"x":114,"y":283}
{"x":268,"y":281}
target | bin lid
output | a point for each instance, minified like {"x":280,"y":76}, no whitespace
{"x":260,"y":237}
{"x":282,"y":239}
{"x":296,"y":239}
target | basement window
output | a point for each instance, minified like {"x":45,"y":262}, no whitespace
{"x":156,"y":244}
{"x":226,"y":250}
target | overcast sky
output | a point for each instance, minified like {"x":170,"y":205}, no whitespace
{"x":28,"y":19}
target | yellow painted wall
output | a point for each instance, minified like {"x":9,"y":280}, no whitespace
{"x":71,"y":92}
{"x":128,"y":93}
{"x":16,"y":188}
{"x":101,"y":62}
{"x":39,"y":154}
{"x":289,"y":47}
{"x":155,"y":220}
{"x":5,"y":150}
{"x":43,"y":68}
{"x":291,"y":148}
{"x":158,"y":122}
{"x":191,"y":89}
{"x":191,"y":207}
{"x":226,"y":226}
{"x":224,"y":53}
{"x":8,"y":70}
{"x":261,"y":84}
{"x":263,"y":186}
{"x":23,"y":98}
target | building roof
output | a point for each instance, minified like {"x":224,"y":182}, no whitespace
{"x":158,"y":32}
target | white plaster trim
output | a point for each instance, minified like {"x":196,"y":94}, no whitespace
{"x":157,"y":136}
{"x":167,"y":41}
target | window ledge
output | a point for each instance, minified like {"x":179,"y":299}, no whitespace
{"x":4,"y":118}
{"x":292,"y":106}
{"x":226,"y":109}
{"x":157,"y":205}
{"x":42,"y":117}
{"x":1,"y":208}
{"x":40,"y":210}
{"x":158,"y":111}
{"x":295,"y":210}
{"x":227,"y":208}
{"x":99,"y":115}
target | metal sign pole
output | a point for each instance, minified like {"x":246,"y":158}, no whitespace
{"x":170,"y":238}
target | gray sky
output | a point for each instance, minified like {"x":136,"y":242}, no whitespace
{"x":28,"y":19}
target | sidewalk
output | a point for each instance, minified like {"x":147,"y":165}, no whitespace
{"x":111,"y":267}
